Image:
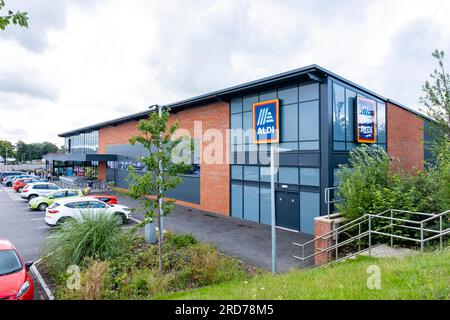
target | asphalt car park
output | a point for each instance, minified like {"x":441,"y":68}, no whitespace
{"x":25,"y":228}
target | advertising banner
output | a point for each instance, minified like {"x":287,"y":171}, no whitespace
{"x":266,"y":122}
{"x":366,"y":120}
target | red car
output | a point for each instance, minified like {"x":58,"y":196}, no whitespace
{"x":104,"y":198}
{"x":21,"y":183}
{"x":15,"y":281}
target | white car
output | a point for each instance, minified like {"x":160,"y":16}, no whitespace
{"x":74,"y":207}
{"x":38,"y":189}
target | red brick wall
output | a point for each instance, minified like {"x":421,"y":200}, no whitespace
{"x":214,"y":178}
{"x":405,"y":138}
{"x":322,"y":225}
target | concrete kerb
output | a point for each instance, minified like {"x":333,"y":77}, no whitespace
{"x":42,"y":282}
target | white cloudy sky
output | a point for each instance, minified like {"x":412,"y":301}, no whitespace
{"x":85,"y":61}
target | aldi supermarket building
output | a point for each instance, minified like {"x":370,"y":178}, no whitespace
{"x":320,"y":118}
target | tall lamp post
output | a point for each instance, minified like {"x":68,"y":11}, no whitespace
{"x":274,"y":156}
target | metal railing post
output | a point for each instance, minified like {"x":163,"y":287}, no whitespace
{"x":336,"y":243}
{"x":440,"y":231}
{"x":392,"y":228}
{"x":370,"y":235}
{"x":421,"y":237}
{"x":359,"y":237}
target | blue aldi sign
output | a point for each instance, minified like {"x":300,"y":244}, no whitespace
{"x":266,"y":122}
{"x":366,"y":120}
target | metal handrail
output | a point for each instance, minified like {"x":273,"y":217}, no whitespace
{"x":368,"y":218}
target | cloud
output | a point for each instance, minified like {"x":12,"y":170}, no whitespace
{"x":44,"y":16}
{"x":26,"y":83}
{"x":83,"y":62}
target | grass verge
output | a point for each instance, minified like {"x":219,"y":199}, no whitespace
{"x":421,"y":277}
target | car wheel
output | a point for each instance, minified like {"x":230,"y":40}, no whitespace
{"x":122,"y":217}
{"x":31,"y":197}
{"x":19,"y":190}
{"x":42,"y":206}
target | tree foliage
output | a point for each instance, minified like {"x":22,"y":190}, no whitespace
{"x":437,"y":95}
{"x":17,"y":18}
{"x":7,"y":147}
{"x":158,"y":139}
{"x":34,"y":151}
{"x":369,"y":184}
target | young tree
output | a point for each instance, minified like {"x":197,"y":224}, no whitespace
{"x":19,"y":18}
{"x":437,"y":95}
{"x":162,"y":172}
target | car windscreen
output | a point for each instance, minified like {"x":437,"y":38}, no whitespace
{"x":9,"y":262}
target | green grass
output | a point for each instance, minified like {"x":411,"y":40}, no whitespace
{"x":424,"y":276}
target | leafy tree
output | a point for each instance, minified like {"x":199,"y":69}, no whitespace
{"x":18,"y":18}
{"x":162,"y":173}
{"x":437,"y":95}
{"x":7,"y":147}
{"x":34,"y":151}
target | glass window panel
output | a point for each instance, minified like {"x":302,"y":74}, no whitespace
{"x":309,"y":120}
{"x":309,"y":92}
{"x":308,"y":145}
{"x":236,"y":105}
{"x":310,"y":177}
{"x":251,"y":173}
{"x":236,"y":201}
{"x":350,"y":115}
{"x":381,"y":123}
{"x":289,"y":145}
{"x":247,"y":126}
{"x":236,"y":127}
{"x":268,"y":95}
{"x":338,"y":113}
{"x":288,"y":175}
{"x":309,"y":209}
{"x":236,"y":172}
{"x":335,"y":178}
{"x":339,"y":146}
{"x":251,"y":203}
{"x":265,"y":174}
{"x":288,"y":95}
{"x":249,"y":101}
{"x":265,"y":205}
{"x":351,"y":146}
{"x":289,"y":123}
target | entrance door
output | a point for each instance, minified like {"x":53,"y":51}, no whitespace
{"x":288,"y":210}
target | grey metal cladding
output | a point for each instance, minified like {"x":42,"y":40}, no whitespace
{"x":127,"y":151}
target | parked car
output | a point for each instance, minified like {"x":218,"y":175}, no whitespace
{"x":41,"y":203}
{"x":39,"y":189}
{"x":5,"y":174}
{"x":65,"y":209}
{"x":21,"y":183}
{"x":15,"y":281}
{"x":105,"y":198}
{"x":9,"y":180}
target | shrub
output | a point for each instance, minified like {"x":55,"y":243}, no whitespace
{"x":369,"y":185}
{"x":364,"y":177}
{"x":92,"y":236}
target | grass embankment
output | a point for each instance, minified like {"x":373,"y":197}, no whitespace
{"x":424,"y":276}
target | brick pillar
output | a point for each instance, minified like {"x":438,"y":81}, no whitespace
{"x":323,"y":225}
{"x":102,"y":170}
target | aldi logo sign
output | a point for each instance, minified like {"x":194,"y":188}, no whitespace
{"x":366,"y":120}
{"x":266,"y":122}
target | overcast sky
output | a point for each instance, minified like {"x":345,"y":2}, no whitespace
{"x":86,"y":61}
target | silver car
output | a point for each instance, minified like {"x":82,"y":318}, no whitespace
{"x":38,"y":189}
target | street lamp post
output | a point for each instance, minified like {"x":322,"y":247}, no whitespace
{"x":274,"y":154}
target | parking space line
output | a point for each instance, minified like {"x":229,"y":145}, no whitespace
{"x":37,"y":219}
{"x":44,"y":227}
